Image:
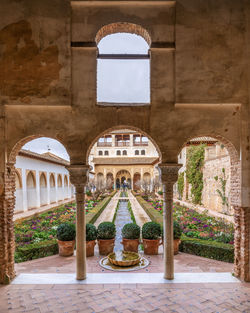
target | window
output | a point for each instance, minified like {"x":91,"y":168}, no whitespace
{"x":100,"y":152}
{"x":143,"y":152}
{"x":105,"y":141}
{"x":106,"y":152}
{"x":136,"y":152}
{"x":123,"y":65}
{"x":124,"y":152}
{"x":118,"y":152}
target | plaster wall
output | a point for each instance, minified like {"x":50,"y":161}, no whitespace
{"x":30,"y":198}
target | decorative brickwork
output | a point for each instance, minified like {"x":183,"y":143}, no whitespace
{"x":7,"y":240}
{"x":122,"y":28}
{"x":241,"y":251}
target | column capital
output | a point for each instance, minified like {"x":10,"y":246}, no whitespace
{"x":169,"y":172}
{"x":78,"y":174}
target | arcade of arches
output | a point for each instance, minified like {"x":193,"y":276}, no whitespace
{"x":200,"y":86}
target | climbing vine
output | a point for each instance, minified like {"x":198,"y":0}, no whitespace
{"x":180,"y":184}
{"x":195,"y":161}
{"x":222,"y":192}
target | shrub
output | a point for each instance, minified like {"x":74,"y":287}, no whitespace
{"x":208,"y":249}
{"x":36,"y":250}
{"x":106,"y":230}
{"x":151,"y":230}
{"x":91,"y":232}
{"x":66,"y":232}
{"x":88,"y":193}
{"x":177,"y":230}
{"x":131,"y":231}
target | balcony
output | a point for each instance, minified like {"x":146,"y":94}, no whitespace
{"x":140,"y":143}
{"x":104,"y":144}
{"x":122,"y":143}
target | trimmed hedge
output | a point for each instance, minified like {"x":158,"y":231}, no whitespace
{"x":154,"y":215}
{"x":208,"y":249}
{"x":36,"y":250}
{"x":92,"y":216}
{"x":50,"y":247}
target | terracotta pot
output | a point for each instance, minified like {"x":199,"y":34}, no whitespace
{"x":151,"y":246}
{"x":66,"y":248}
{"x":106,"y":246}
{"x":176,"y":246}
{"x":90,"y":246}
{"x":130,"y":244}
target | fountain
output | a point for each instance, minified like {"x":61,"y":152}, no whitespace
{"x":124,"y":258}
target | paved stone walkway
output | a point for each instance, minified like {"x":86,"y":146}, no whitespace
{"x":141,"y":216}
{"x":109,"y":211}
{"x":182,"y":298}
{"x":183,"y":263}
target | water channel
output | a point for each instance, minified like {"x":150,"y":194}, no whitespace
{"x":122,"y":217}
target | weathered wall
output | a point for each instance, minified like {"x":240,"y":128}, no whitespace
{"x":200,"y":73}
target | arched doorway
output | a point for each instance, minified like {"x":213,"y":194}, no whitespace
{"x":137,"y":181}
{"x":43,"y":190}
{"x":52,"y":188}
{"x":18,"y":193}
{"x":31,"y":190}
{"x":59,"y":187}
{"x":110,"y":181}
{"x":66,"y":187}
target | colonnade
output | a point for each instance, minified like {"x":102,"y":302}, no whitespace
{"x":79,"y":178}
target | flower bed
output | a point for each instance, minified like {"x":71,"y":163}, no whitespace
{"x":203,"y":235}
{"x":199,"y":225}
{"x":36,"y":236}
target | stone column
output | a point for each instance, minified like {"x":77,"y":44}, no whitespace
{"x":169,"y":175}
{"x":7,"y":237}
{"x":79,"y":177}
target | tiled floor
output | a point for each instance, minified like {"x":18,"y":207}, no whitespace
{"x":125,"y":298}
{"x":193,"y":298}
{"x":183,"y":263}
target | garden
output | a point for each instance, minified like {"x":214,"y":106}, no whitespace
{"x":36,"y":236}
{"x":202,"y":234}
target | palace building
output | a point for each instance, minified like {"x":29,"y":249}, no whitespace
{"x":124,"y":155}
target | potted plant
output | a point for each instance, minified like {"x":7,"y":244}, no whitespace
{"x":130,"y":237}
{"x":151,"y":233}
{"x":177,"y":236}
{"x":91,"y":234}
{"x":66,"y":234}
{"x":106,"y":237}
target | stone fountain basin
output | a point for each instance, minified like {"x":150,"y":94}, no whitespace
{"x":124,"y":258}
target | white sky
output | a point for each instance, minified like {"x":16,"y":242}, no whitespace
{"x":41,"y":145}
{"x":124,"y":81}
{"x":117,"y":80}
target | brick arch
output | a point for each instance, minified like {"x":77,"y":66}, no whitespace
{"x":240,"y":237}
{"x":122,"y":27}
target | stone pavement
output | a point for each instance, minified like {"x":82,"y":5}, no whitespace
{"x":183,"y":263}
{"x":141,"y":216}
{"x":108,"y":213}
{"x":182,"y":298}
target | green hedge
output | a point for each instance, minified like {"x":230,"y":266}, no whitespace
{"x":154,"y":215}
{"x":50,"y":247}
{"x":98,"y":209}
{"x":208,"y":249}
{"x":36,"y":250}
